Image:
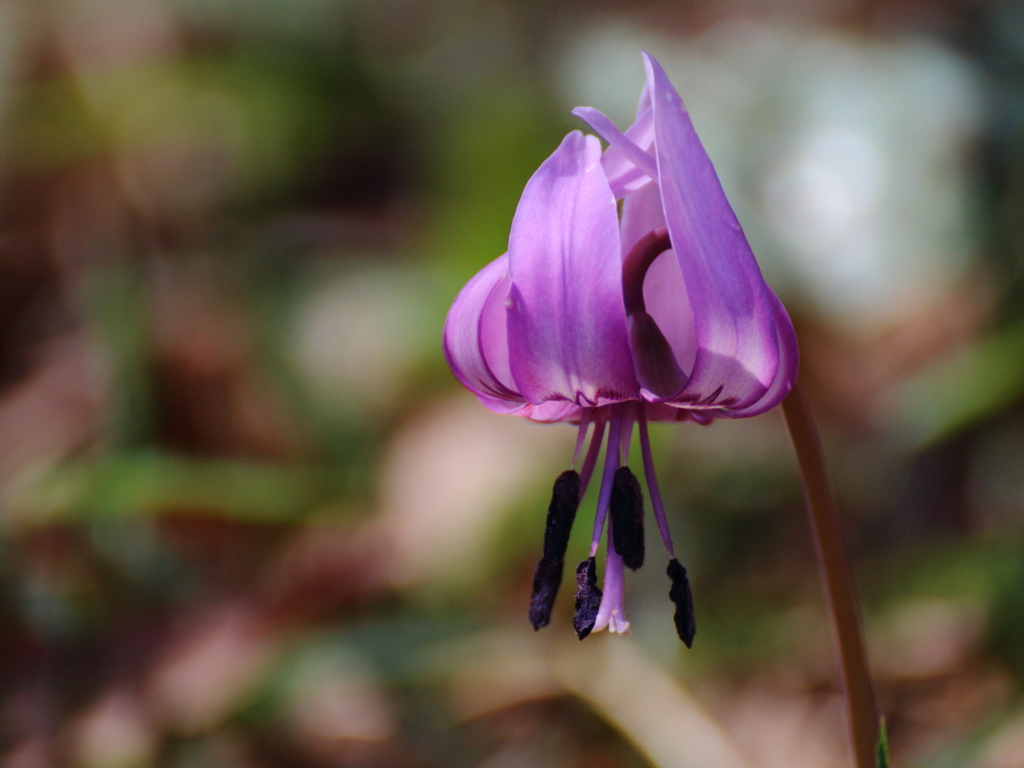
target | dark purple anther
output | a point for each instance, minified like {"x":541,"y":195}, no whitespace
{"x":588,"y":598}
{"x":680,"y":594}
{"x":547,"y":577}
{"x":627,"y":511}
{"x":565,"y":499}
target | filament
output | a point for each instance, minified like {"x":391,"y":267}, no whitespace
{"x":590,"y":460}
{"x":581,"y":435}
{"x":628,"y":417}
{"x":652,"y":483}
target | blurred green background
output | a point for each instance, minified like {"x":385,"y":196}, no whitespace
{"x":247,"y":517}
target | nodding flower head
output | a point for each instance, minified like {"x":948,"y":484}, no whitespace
{"x":609,"y":323}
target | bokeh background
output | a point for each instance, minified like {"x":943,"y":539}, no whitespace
{"x":249,"y":520}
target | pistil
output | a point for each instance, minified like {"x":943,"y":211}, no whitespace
{"x":611,"y":613}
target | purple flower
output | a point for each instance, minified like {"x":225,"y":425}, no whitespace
{"x":661,"y":316}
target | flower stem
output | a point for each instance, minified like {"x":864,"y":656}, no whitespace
{"x":836,"y":576}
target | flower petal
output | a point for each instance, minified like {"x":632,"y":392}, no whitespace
{"x":566,"y":319}
{"x":734,"y":326}
{"x":664,"y":291}
{"x":624,"y":176}
{"x":551,"y":412}
{"x":475,"y":337}
{"x":618,"y":140}
{"x":785,"y":376}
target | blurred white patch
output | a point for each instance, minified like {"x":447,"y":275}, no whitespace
{"x":927,"y":637}
{"x":113,"y":733}
{"x":496,"y":670}
{"x":450,"y":477}
{"x":603,"y":69}
{"x":111,"y":32}
{"x":781,"y":725}
{"x":335,"y":697}
{"x":827,"y":189}
{"x":210,"y":668}
{"x":647,"y":704}
{"x":1005,"y":749}
{"x":846,"y":158}
{"x":358,"y":336}
{"x":179,"y":147}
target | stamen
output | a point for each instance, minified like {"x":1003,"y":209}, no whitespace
{"x":565,"y":499}
{"x":653,"y":358}
{"x":590,"y":460}
{"x":588,"y":598}
{"x":581,"y":434}
{"x":611,"y":463}
{"x":611,"y":613}
{"x":686,"y":626}
{"x":547,"y":577}
{"x":628,"y":417}
{"x":627,"y":511}
{"x":652,"y":483}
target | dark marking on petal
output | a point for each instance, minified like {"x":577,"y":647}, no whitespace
{"x":547,"y":578}
{"x":588,"y":598}
{"x":680,"y":594}
{"x":565,"y":499}
{"x":710,"y":399}
{"x":626,"y":507}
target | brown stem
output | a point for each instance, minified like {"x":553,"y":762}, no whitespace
{"x":837,"y":578}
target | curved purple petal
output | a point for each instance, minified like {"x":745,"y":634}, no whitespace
{"x":641,"y":212}
{"x":546,"y":413}
{"x":785,"y":376}
{"x":630,"y":150}
{"x":624,"y":175}
{"x":664,"y":290}
{"x":566,"y":319}
{"x":645,"y":100}
{"x":734,"y":326}
{"x":551,"y":411}
{"x":475,"y":337}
